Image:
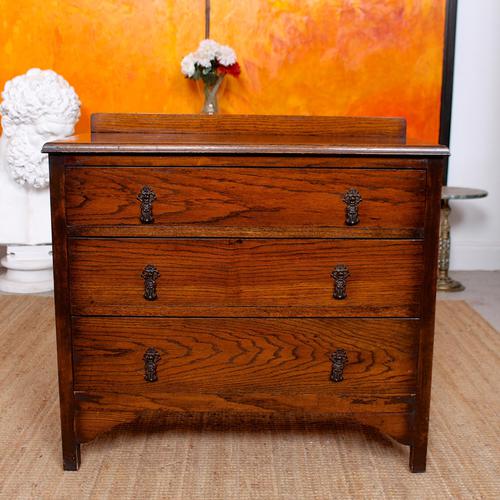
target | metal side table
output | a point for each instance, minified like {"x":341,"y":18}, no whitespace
{"x":444,"y":282}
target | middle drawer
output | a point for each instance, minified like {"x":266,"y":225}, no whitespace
{"x":255,"y":277}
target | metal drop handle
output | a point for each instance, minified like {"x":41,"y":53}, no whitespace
{"x":150,"y":274}
{"x":151,"y":358}
{"x":339,"y":360}
{"x":352,"y":199}
{"x":146,"y":197}
{"x":340,"y":275}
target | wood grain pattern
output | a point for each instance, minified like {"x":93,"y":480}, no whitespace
{"x":189,"y":231}
{"x":236,"y":277}
{"x":289,"y":201}
{"x":238,"y":161}
{"x":330,"y":126}
{"x":226,"y":356}
{"x":99,"y":412}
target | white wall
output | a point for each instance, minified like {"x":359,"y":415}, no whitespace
{"x":475,"y":135}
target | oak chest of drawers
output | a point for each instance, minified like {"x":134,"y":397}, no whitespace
{"x":244,"y":264}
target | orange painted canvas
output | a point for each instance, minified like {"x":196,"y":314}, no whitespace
{"x":333,"y":57}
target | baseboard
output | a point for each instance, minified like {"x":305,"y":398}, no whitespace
{"x":475,"y":256}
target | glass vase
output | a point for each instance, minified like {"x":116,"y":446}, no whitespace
{"x":210,"y":93}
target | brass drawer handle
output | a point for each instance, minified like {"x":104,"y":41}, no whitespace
{"x":339,"y":360}
{"x":150,"y":274}
{"x":146,"y":197}
{"x":151,"y":358}
{"x":340,"y":275}
{"x":352,"y":199}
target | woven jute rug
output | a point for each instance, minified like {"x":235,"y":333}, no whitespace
{"x":223,"y":458}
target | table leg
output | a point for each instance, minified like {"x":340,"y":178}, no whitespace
{"x":444,"y":282}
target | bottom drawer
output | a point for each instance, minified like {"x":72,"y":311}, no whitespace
{"x":244,"y":361}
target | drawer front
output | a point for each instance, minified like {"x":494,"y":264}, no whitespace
{"x":241,"y":360}
{"x":237,"y":277}
{"x":240,"y":201}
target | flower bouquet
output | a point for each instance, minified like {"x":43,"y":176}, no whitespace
{"x":210,"y":63}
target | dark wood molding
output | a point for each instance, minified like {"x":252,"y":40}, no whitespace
{"x":62,"y":299}
{"x":447,"y":81}
{"x":167,"y":146}
{"x":418,"y":449}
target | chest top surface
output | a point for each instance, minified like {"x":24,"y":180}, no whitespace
{"x":122,"y":133}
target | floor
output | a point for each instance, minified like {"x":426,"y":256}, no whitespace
{"x":254,"y":456}
{"x":482,"y":292}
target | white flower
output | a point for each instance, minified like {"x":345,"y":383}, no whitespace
{"x":209,"y":46}
{"x":207,"y":53}
{"x":226,"y":55}
{"x":204,"y":58}
{"x":187,"y":65}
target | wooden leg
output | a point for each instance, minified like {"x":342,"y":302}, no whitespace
{"x":71,"y":456}
{"x":70,"y":444}
{"x":418,"y":457}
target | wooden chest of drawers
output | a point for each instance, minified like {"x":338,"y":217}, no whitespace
{"x":244,"y":264}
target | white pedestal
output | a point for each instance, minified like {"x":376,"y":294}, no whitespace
{"x":28,"y":269}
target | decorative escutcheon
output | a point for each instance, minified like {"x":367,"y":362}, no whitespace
{"x":146,"y":197}
{"x":340,"y":275}
{"x":150,"y":274}
{"x":339,"y":360}
{"x":151,"y":358}
{"x":352,"y":199}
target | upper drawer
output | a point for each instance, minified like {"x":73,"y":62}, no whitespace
{"x":230,"y":201}
{"x":254,"y":277}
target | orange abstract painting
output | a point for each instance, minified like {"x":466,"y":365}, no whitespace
{"x":333,"y":57}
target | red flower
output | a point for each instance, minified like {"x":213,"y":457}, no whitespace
{"x":233,"y":69}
